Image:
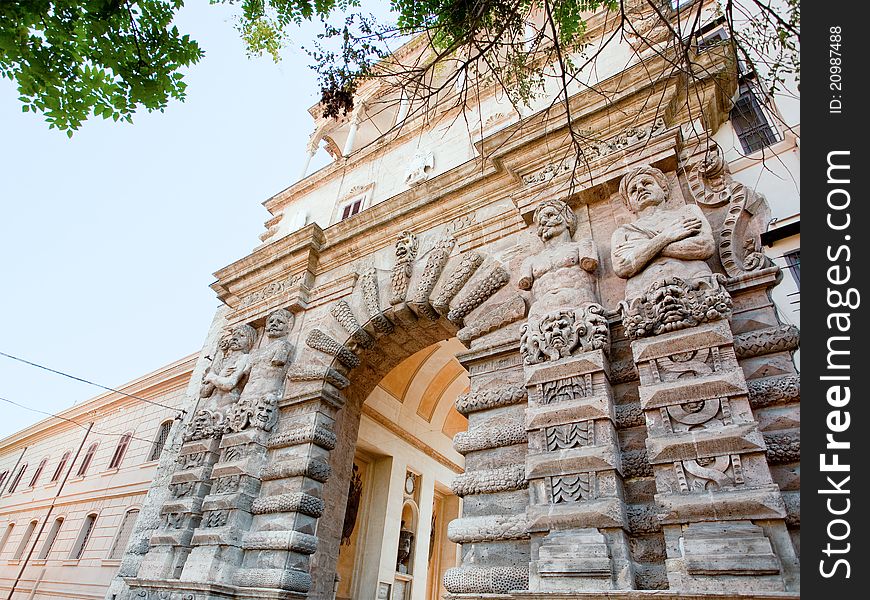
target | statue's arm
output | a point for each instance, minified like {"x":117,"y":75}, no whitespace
{"x":588,"y":252}
{"x":699,"y":246}
{"x":526,"y":277}
{"x":630,"y":256}
{"x":226,"y":383}
{"x":281,"y":355}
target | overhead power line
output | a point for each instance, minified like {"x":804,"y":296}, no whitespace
{"x":55,"y":371}
{"x":73,"y":421}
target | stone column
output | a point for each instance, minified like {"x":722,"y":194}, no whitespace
{"x":492,"y":528}
{"x":721,"y":514}
{"x":284,"y":527}
{"x":576,"y":514}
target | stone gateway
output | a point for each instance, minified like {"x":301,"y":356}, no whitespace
{"x":627,"y":423}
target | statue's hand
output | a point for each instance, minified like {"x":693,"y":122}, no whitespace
{"x":683,"y":228}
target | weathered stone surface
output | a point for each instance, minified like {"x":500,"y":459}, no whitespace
{"x":323,"y":342}
{"x":766,"y":341}
{"x":293,"y":502}
{"x":783,"y":447}
{"x":770,"y":391}
{"x":487,"y":438}
{"x":456,"y":280}
{"x":489,"y":580}
{"x":477,"y":401}
{"x":489,"y":481}
{"x":500,"y":316}
{"x":480,"y":293}
{"x":488,"y":528}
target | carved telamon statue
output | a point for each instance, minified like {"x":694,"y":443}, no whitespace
{"x":661,"y":254}
{"x":269,"y":362}
{"x":225,"y":386}
{"x":565,"y":316}
{"x":223,"y":347}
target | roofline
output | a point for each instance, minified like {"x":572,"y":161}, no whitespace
{"x":138,"y":386}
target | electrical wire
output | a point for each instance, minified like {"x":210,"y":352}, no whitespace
{"x":73,"y":421}
{"x":49,"y":369}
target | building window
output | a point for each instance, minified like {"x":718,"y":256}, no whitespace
{"x":749,"y":117}
{"x":3,"y":477}
{"x":351,"y":208}
{"x":160,"y":440}
{"x":793,"y":264}
{"x":124,"y":533}
{"x":60,"y":466}
{"x":17,"y":478}
{"x":6,"y":535}
{"x":49,"y":541}
{"x":86,"y":461}
{"x":22,"y":546}
{"x":120,"y":450}
{"x":38,"y":471}
{"x":84,"y":536}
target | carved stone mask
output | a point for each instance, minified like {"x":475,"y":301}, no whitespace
{"x":278,"y":323}
{"x":264,"y":412}
{"x":560,"y":333}
{"x":670,"y":302}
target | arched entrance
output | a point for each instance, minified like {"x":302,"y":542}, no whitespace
{"x":394,"y":539}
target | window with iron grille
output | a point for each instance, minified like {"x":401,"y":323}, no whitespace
{"x":124,"y":533}
{"x":160,"y":440}
{"x":86,"y":461}
{"x":749,"y":117}
{"x":84,"y":536}
{"x":49,"y":541}
{"x":793,"y":264}
{"x":120,"y":450}
{"x":60,"y":466}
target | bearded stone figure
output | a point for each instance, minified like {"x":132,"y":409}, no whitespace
{"x":662,"y":254}
{"x":565,"y":316}
{"x":226,"y":384}
{"x":269,"y":362}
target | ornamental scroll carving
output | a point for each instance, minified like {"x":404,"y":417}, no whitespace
{"x":565,"y":317}
{"x":711,"y":185}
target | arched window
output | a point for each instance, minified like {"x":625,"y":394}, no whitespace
{"x":60,"y":466}
{"x":6,"y":535}
{"x":120,"y":449}
{"x":22,"y":546}
{"x":160,"y":440}
{"x":124,"y":533}
{"x":49,"y":541}
{"x":17,"y":478}
{"x":86,"y":461}
{"x":84,"y":536}
{"x":38,"y":471}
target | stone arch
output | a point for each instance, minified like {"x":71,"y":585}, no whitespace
{"x":387,"y":318}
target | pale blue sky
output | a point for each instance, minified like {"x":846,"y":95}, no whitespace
{"x":108,"y":241}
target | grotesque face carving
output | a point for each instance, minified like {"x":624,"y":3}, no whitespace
{"x":406,"y":246}
{"x":645,"y":190}
{"x":560,"y":332}
{"x":670,"y":302}
{"x":278,"y":323}
{"x":264,"y":412}
{"x":553,"y":218}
